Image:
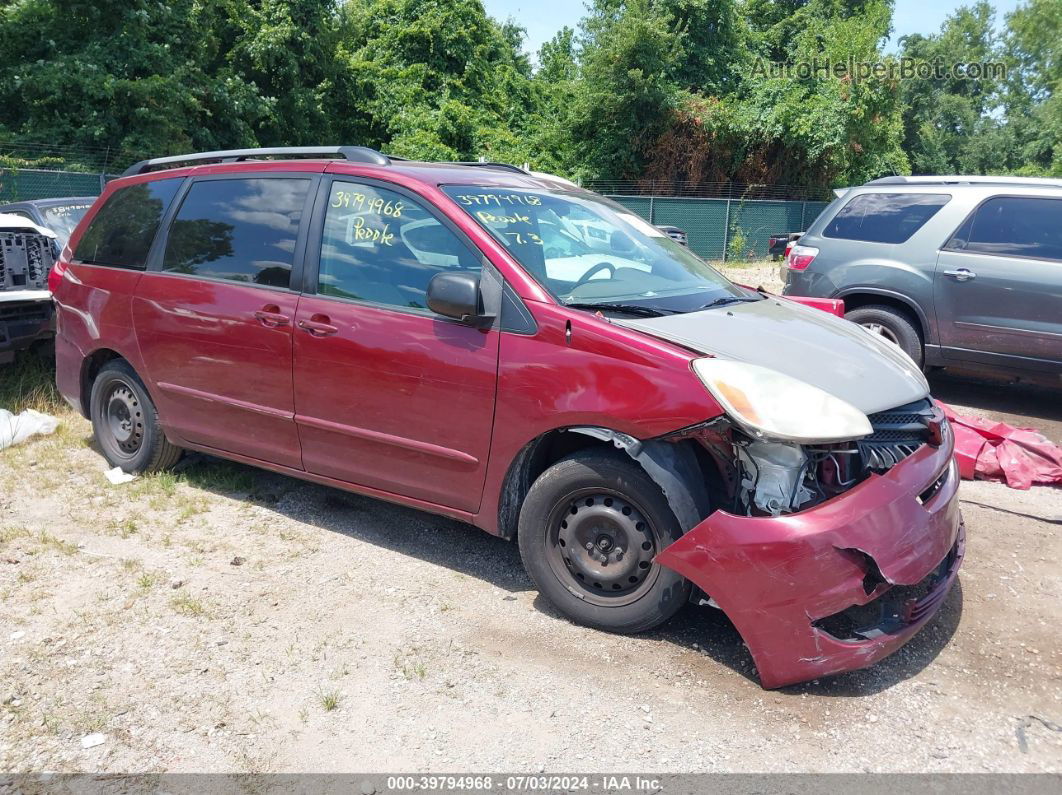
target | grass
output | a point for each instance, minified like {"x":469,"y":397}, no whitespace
{"x":10,"y":532}
{"x":410,"y":668}
{"x":48,"y":540}
{"x":147,"y":581}
{"x":220,"y":476}
{"x":124,"y":528}
{"x":329,"y":699}
{"x":188,"y":605}
{"x":29,"y":383}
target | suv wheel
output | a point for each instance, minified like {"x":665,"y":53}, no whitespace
{"x":893,"y":325}
{"x":590,"y":529}
{"x":126,"y":423}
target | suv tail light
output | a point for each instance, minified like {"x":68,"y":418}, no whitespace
{"x":800,"y":257}
{"x":55,"y":275}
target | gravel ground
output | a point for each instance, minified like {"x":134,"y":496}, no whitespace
{"x":223,"y":619}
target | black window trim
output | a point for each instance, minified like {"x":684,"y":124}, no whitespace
{"x":944,"y":246}
{"x":158,"y":249}
{"x":311,"y":273}
{"x":857,"y":195}
{"x":159,"y":232}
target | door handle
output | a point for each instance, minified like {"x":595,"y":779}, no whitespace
{"x":271,"y":317}
{"x":318,"y":326}
{"x":961,"y":274}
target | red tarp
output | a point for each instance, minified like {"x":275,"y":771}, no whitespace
{"x":1019,"y":457}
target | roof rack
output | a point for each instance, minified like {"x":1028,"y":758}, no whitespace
{"x":356,"y":154}
{"x":967,"y":180}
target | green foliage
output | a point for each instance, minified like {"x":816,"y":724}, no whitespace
{"x":662,"y":90}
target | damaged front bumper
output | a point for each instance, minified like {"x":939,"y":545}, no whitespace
{"x":785,"y":581}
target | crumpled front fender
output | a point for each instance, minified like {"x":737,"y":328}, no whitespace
{"x":774,"y":576}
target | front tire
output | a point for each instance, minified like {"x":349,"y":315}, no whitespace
{"x":893,"y":325}
{"x":126,"y":423}
{"x":590,"y":529}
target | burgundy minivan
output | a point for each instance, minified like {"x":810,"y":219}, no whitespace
{"x":504,"y":348}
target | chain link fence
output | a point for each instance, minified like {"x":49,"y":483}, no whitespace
{"x":718,"y":229}
{"x":725,"y":229}
{"x":21,"y":184}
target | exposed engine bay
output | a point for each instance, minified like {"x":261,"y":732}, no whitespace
{"x":778,"y":477}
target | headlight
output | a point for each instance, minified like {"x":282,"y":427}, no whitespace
{"x":771,"y":405}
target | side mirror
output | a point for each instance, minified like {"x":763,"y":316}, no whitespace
{"x":456,"y":295}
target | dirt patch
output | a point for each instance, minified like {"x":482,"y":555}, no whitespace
{"x":226,"y":619}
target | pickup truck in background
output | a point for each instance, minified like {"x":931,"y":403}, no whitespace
{"x":26,"y":258}
{"x":778,"y":245}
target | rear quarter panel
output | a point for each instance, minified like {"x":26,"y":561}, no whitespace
{"x":93,"y":306}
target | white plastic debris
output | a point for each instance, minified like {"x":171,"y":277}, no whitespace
{"x":92,"y":740}
{"x":17,"y":428}
{"x":117,"y":476}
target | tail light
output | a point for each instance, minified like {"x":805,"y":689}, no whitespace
{"x":55,"y":275}
{"x":800,"y":257}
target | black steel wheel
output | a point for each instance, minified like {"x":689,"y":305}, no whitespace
{"x":590,"y":530}
{"x":604,"y":543}
{"x":125,"y":422}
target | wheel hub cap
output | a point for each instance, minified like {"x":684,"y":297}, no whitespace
{"x":125,"y":419}
{"x":606,"y":544}
{"x":881,"y":331}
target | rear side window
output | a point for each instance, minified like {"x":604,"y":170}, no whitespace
{"x":241,"y":230}
{"x":121,"y":233}
{"x":884,"y":217}
{"x":1012,"y":226}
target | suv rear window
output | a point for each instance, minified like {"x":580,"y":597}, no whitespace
{"x":884,"y":217}
{"x":121,"y":233}
{"x":1012,"y":226}
{"x":240,"y":230}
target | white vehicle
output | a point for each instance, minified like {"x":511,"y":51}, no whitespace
{"x":25,"y":302}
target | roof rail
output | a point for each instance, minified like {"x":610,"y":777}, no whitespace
{"x":967,"y":180}
{"x":356,"y":154}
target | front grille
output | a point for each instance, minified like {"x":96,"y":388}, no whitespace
{"x":25,"y":259}
{"x":898,"y":433}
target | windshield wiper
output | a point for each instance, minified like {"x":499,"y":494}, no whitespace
{"x":729,"y":299}
{"x":630,"y":309}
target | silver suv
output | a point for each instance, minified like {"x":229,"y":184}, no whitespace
{"x":957,"y":271}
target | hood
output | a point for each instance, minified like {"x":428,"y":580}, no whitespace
{"x":10,"y":222}
{"x":835,"y":355}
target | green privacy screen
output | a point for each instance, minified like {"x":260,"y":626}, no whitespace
{"x":713,"y":224}
{"x":20,"y":184}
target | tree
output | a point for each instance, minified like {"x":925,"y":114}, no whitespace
{"x":947,"y":120}
{"x":1034,"y":97}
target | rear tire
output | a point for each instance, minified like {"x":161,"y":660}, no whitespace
{"x":892,"y":324}
{"x":605,"y":500}
{"x":126,"y":423}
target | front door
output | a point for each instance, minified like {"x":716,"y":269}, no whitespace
{"x":215,"y":321}
{"x":388,"y":394}
{"x":999,"y":284}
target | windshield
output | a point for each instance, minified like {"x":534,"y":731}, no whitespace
{"x":62,"y":218}
{"x":586,"y":249}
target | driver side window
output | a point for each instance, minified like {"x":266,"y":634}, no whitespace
{"x":383,"y":247}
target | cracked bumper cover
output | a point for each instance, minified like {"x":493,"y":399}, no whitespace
{"x":775,"y":576}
